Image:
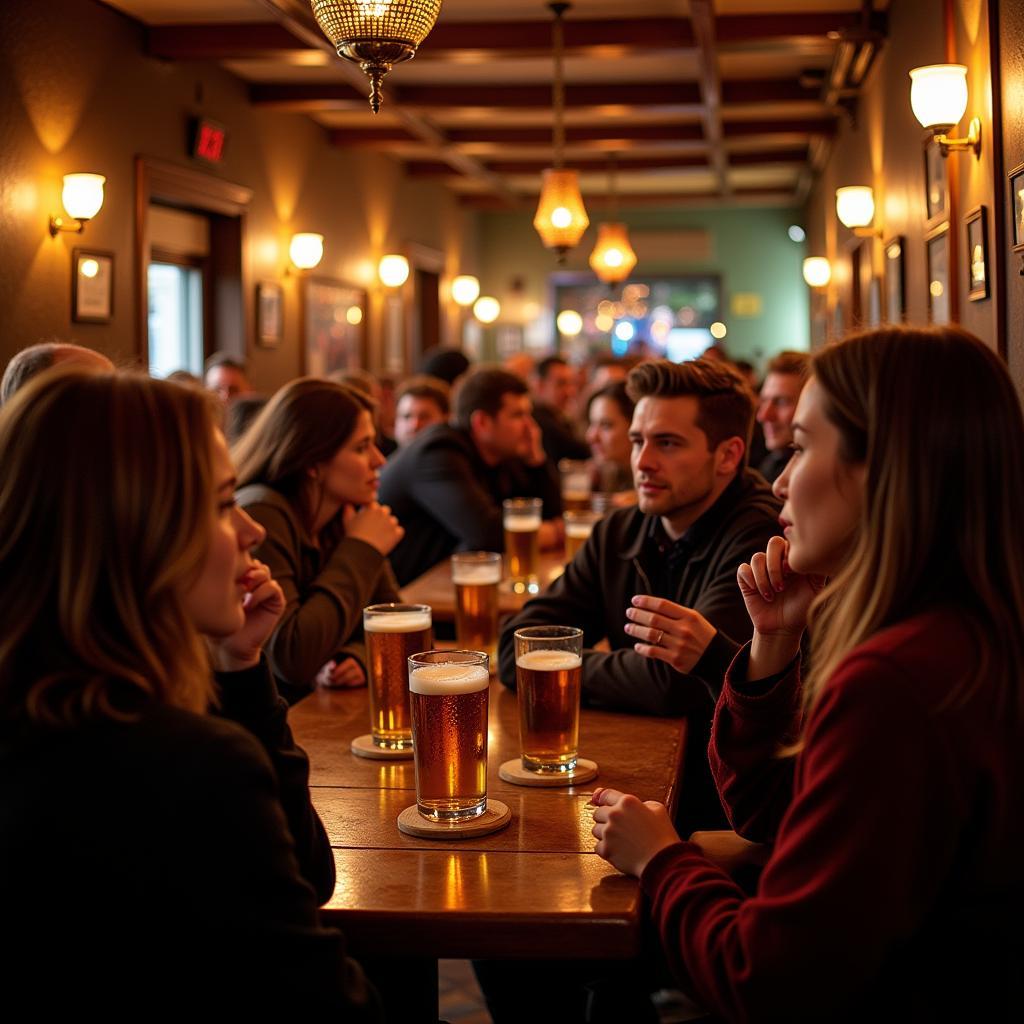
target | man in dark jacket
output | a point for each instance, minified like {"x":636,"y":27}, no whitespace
{"x":658,"y":581}
{"x":447,"y":485}
{"x":554,"y":402}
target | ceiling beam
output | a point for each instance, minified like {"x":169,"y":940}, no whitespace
{"x":702,"y":15}
{"x":673,"y":132}
{"x":242,"y":41}
{"x":431,"y":169}
{"x":740,"y":196}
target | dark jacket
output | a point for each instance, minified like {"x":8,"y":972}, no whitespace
{"x":166,"y":863}
{"x":617,"y":562}
{"x":448,"y":499}
{"x":772,"y":465}
{"x":557,"y":435}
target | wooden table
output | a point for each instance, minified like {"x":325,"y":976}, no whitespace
{"x":435,"y":587}
{"x":535,"y":889}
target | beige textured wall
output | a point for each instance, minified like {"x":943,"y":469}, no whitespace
{"x":87,"y":97}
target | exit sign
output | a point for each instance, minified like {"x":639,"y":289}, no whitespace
{"x":207,"y":139}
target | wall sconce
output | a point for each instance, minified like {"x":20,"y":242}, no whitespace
{"x":465,"y":290}
{"x":82,"y":197}
{"x":306,"y":250}
{"x":855,"y":208}
{"x":569,"y":323}
{"x":938,"y":97}
{"x":486,"y":309}
{"x":393,"y":270}
{"x":817,"y":271}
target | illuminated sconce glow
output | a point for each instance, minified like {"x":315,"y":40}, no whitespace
{"x":82,"y":197}
{"x":88,"y":268}
{"x":938,"y":97}
{"x":569,"y":323}
{"x":486,"y":309}
{"x":817,"y":271}
{"x":718,"y":330}
{"x":393,"y":270}
{"x":855,"y":205}
{"x":354,"y":315}
{"x":465,"y":290}
{"x":306,"y":249}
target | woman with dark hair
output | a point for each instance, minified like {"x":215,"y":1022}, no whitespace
{"x":158,"y":848}
{"x":888,"y":779}
{"x":308,"y":471}
{"x":609,"y":415}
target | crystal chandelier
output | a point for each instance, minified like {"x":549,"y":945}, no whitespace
{"x":561,"y":217}
{"x":376,"y":34}
{"x":613,"y":258}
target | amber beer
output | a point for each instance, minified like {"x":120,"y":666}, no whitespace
{"x":549,"y":667}
{"x":448,"y":690}
{"x":476,"y":575}
{"x":575,"y":476}
{"x":393,"y":632}
{"x":522,"y":519}
{"x":578,"y":527}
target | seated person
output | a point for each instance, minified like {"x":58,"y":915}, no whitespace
{"x":609,"y":415}
{"x":658,"y":581}
{"x":422,"y":402}
{"x":227,"y":377}
{"x":555,"y":390}
{"x":24,"y":365}
{"x":889,"y":778}
{"x":308,"y":470}
{"x":447,"y":485}
{"x":786,"y":376}
{"x":157,"y":817}
{"x":365,"y":382}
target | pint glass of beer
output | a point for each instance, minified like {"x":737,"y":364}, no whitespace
{"x":393,"y":632}
{"x":448,"y":690}
{"x":575,"y":476}
{"x":522,"y":517}
{"x":578,"y":527}
{"x":549,"y":665}
{"x":476,"y":575}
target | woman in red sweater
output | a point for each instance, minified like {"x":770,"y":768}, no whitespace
{"x":888,"y":778}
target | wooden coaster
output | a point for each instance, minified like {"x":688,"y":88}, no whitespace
{"x":495,"y":817}
{"x":363,"y":746}
{"x":514,"y":772}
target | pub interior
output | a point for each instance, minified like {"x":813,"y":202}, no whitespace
{"x":202,"y":188}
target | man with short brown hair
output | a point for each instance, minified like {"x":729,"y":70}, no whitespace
{"x":422,"y":401}
{"x":786,"y":376}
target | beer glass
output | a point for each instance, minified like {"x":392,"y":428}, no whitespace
{"x":448,"y":690}
{"x":578,"y":527}
{"x":392,"y":633}
{"x":522,"y":517}
{"x":575,"y":476}
{"x":549,"y":666}
{"x":476,"y":575}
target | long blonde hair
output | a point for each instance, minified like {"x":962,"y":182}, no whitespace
{"x":934,"y":418}
{"x":107,"y":501}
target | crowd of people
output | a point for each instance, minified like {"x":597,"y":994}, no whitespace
{"x":824,"y":576}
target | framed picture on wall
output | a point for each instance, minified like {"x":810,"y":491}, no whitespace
{"x":937,"y":262}
{"x":936,"y":184}
{"x":1016,"y":180}
{"x":894,"y":280}
{"x":92,"y":286}
{"x":269,"y":314}
{"x":333,"y":326}
{"x":977,"y":254}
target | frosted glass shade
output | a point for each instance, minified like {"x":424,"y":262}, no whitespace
{"x":817,"y":271}
{"x":486,"y":309}
{"x":393,"y":270}
{"x":938,"y":95}
{"x":465,"y":290}
{"x":306,"y":249}
{"x":82,"y":195}
{"x":569,"y":323}
{"x":855,"y":205}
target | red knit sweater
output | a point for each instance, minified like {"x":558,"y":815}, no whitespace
{"x":895,"y":884}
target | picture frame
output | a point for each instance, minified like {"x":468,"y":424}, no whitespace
{"x":976,"y":251}
{"x":938,"y":276}
{"x":333,"y":326}
{"x":92,"y":286}
{"x":936,"y":184}
{"x":1015,"y":180}
{"x":269,"y":314}
{"x":894,"y":280}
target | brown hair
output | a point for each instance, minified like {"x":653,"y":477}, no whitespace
{"x":425,"y":386}
{"x":484,"y":390}
{"x":107,"y":503}
{"x":797,"y":364}
{"x":724,"y":400}
{"x":304,"y":424}
{"x":933,"y":417}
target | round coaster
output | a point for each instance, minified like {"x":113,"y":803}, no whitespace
{"x":363,"y":746}
{"x":495,"y":817}
{"x":514,"y":772}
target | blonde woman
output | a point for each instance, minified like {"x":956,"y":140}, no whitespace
{"x":308,"y":472}
{"x":888,"y":781}
{"x":158,"y":849}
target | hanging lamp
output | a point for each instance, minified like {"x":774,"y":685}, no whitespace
{"x":561,"y":217}
{"x":613,"y":258}
{"x":376,"y":34}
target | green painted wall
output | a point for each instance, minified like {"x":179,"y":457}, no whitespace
{"x":749,"y":248}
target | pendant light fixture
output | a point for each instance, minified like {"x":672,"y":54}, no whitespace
{"x":561,"y":217}
{"x":613,"y":258}
{"x":376,"y":34}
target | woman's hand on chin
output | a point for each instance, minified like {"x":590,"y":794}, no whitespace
{"x":263,"y":605}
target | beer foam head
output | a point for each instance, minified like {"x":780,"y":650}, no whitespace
{"x":522,"y":524}
{"x":396,"y":622}
{"x":448,"y":678}
{"x":549,"y":661}
{"x":477,"y":575}
{"x":578,"y":530}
